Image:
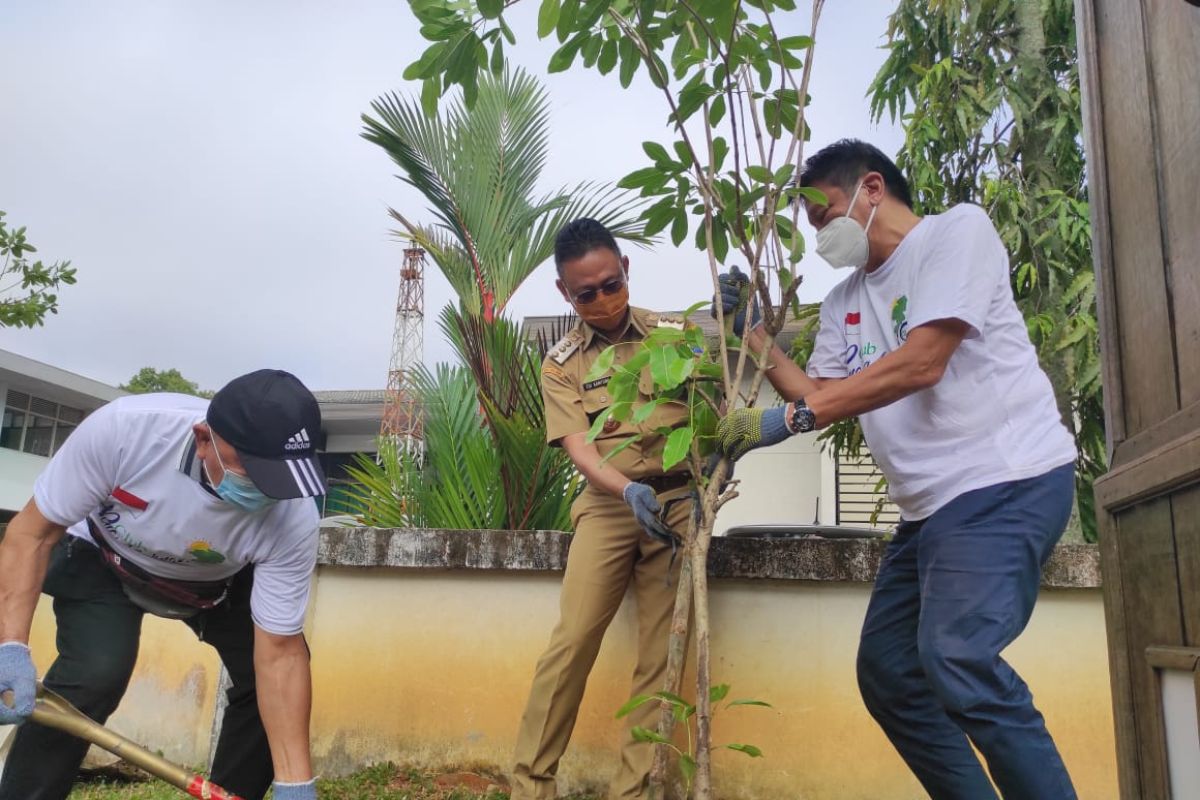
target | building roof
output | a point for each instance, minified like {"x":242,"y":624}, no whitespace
{"x":350,"y":396}
{"x":69,"y":388}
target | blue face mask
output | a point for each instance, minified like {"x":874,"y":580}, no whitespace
{"x":239,"y":490}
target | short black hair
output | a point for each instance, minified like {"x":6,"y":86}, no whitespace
{"x":580,"y":237}
{"x":842,"y":163}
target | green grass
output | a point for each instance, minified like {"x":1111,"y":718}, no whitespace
{"x":379,"y":782}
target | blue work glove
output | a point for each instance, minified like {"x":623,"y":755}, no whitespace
{"x":18,"y":676}
{"x":295,"y":791}
{"x":646,"y":509}
{"x":735,"y":296}
{"x":744,"y":429}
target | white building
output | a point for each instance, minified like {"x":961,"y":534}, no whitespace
{"x":42,"y":405}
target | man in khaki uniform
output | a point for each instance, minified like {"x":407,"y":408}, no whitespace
{"x":618,"y":519}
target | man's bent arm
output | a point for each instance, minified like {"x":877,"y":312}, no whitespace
{"x":284,"y":685}
{"x":790,"y":380}
{"x":917,"y":364}
{"x":588,"y":460}
{"x":24,"y":558}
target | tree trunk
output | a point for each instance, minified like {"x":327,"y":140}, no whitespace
{"x":676,"y":653}
{"x":702,"y":789}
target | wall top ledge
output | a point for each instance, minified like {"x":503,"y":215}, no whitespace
{"x":1073,"y":566}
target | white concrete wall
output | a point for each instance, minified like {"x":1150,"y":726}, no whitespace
{"x":17,"y":472}
{"x":781,"y":484}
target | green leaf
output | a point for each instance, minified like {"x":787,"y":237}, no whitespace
{"x":640,"y":177}
{"x":602,"y":365}
{"x":718,"y":693}
{"x":677,"y":446}
{"x":564,"y":56}
{"x":431,"y":92}
{"x":566,"y":18}
{"x":674,"y":699}
{"x":632,"y":440}
{"x":598,"y":425}
{"x":720,"y":150}
{"x":687,"y":766}
{"x":490,"y":9}
{"x":646,"y":409}
{"x":498,"y":57}
{"x":667,"y":367}
{"x":658,"y":154}
{"x":716,"y":111}
{"x":760,"y":174}
{"x":749,"y":703}
{"x":796,"y":42}
{"x":547,"y":17}
{"x":608,"y":57}
{"x":634,"y":703}
{"x":629,"y":61}
{"x":748,"y":749}
{"x":679,"y":227}
{"x":811,"y":195}
{"x":641,"y":734}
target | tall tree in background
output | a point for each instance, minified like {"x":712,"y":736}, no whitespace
{"x":27,"y":289}
{"x":988,"y":92}
{"x":149,"y":379}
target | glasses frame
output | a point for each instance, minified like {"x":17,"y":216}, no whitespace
{"x":608,"y":289}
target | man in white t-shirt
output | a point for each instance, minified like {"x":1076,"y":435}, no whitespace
{"x":925,"y":344}
{"x":186,"y":509}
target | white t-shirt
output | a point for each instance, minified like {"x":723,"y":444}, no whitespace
{"x":131,"y":467}
{"x":992,"y":417}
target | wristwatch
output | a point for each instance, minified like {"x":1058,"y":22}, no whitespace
{"x":803,"y":419}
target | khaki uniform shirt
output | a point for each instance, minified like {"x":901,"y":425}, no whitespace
{"x":572,"y":403}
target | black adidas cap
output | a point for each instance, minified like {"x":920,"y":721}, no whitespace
{"x":273,"y":422}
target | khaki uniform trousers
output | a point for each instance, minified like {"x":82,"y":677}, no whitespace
{"x":608,"y":550}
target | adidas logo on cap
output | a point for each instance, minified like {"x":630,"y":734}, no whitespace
{"x":298,"y":441}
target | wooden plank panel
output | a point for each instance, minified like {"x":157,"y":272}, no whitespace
{"x":1094,"y":142}
{"x":1150,"y":583}
{"x":1139,"y":275}
{"x":1185,"y":511}
{"x":1176,"y":426}
{"x":1173,"y":30}
{"x":1169,"y":468}
{"x":1119,"y":664}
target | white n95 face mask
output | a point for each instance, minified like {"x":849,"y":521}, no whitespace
{"x":843,"y":242}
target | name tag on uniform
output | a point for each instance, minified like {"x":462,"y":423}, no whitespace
{"x":596,"y":384}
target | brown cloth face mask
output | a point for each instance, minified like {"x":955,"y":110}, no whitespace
{"x":605,"y":312}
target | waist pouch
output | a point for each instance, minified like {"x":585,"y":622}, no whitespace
{"x":173,"y":599}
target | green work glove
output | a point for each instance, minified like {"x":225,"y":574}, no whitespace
{"x":744,"y":429}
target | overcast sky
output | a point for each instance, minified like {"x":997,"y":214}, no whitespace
{"x":200,"y":164}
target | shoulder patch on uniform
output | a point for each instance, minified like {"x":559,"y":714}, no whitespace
{"x":671,"y":321}
{"x":553,"y":371}
{"x":565,"y":347}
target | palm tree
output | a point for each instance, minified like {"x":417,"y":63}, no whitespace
{"x":478,"y":168}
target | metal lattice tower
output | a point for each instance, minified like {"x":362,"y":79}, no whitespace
{"x":401,"y":417}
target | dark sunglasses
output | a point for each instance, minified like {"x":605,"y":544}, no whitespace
{"x":609,"y":288}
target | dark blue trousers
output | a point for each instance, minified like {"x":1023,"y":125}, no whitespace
{"x":953,"y":591}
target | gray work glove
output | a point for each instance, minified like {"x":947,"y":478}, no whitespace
{"x":734,"y":297}
{"x":295,"y":791}
{"x":18,"y":676}
{"x":646,"y":509}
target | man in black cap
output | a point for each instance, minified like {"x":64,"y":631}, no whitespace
{"x":186,"y":509}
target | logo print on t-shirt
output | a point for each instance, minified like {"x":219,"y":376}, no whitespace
{"x":853,"y":322}
{"x":202,"y":551}
{"x":900,"y":317}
